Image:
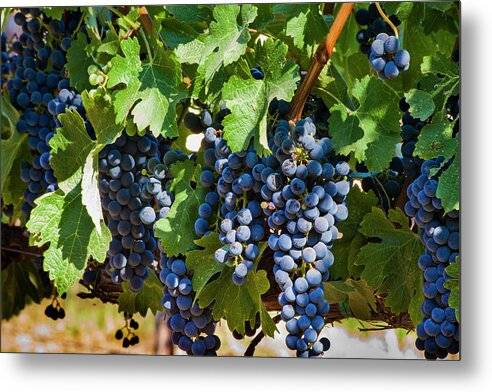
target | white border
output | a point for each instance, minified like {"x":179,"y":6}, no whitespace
{"x":121,"y":373}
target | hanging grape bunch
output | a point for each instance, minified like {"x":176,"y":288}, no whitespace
{"x":381,"y":43}
{"x":375,"y":24}
{"x":387,"y":58}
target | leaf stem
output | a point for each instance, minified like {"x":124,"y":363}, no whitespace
{"x":387,"y":20}
{"x":118,"y":13}
{"x":147,"y":46}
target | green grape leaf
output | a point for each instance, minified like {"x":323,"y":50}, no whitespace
{"x":346,"y":248}
{"x":238,"y":304}
{"x":8,"y":114}
{"x":436,"y":139}
{"x":453,"y":285}
{"x":13,"y":187}
{"x":202,"y":261}
{"x":78,"y":60}
{"x":184,"y":24}
{"x":448,"y":189}
{"x":418,"y":43}
{"x":308,"y":27}
{"x":439,"y":65}
{"x":62,"y":221}
{"x":196,"y":14}
{"x":224,"y":43}
{"x":13,"y":145}
{"x":70,"y":147}
{"x":390,"y":265}
{"x":421,"y":104}
{"x":125,"y":68}
{"x":151,"y":90}
{"x":346,"y":47}
{"x":356,"y":293}
{"x":402,"y":10}
{"x":22,"y":284}
{"x":174,"y":229}
{"x":248,"y":99}
{"x":441,"y":80}
{"x":149,"y":298}
{"x":102,"y":117}
{"x":371,"y":131}
{"x":415,"y":306}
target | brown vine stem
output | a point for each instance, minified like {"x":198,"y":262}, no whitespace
{"x":320,"y":58}
{"x":23,"y":252}
{"x":145,"y":18}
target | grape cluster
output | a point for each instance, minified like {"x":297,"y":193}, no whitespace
{"x":192,"y":327}
{"x":131,"y":187}
{"x":304,"y":197}
{"x":234,"y":196}
{"x":127,"y":333}
{"x":35,"y":76}
{"x":55,"y":310}
{"x":65,"y":99}
{"x":387,"y":58}
{"x":375,"y":25}
{"x":438,"y":333}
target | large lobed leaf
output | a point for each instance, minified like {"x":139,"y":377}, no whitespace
{"x":149,"y":298}
{"x":238,"y":304}
{"x":150,"y":91}
{"x":371,"y":131}
{"x":345,"y":249}
{"x":201,"y":261}
{"x":453,"y":285}
{"x":390,"y":264}
{"x":224,"y":43}
{"x":62,"y":221}
{"x":174,"y":230}
{"x":14,"y":150}
{"x":248,"y":99}
{"x":356,"y":294}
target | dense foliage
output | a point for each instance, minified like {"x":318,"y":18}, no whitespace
{"x":350,"y":210}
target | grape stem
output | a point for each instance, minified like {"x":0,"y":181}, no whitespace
{"x":23,"y":252}
{"x":319,"y":60}
{"x":386,"y":19}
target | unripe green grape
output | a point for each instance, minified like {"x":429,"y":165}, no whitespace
{"x":92,"y":69}
{"x":93,"y":79}
{"x":131,"y":128}
{"x":100,"y":79}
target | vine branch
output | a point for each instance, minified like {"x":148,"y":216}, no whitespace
{"x":320,"y":58}
{"x":380,"y":314}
